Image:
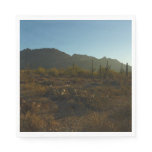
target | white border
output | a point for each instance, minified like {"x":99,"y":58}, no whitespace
{"x":75,"y":134}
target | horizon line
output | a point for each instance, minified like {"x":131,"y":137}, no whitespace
{"x":76,"y":54}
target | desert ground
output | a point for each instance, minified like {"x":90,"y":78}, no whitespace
{"x":62,"y":101}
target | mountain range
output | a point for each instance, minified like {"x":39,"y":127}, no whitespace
{"x":51,"y":57}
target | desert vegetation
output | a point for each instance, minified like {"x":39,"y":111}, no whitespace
{"x":75,"y":100}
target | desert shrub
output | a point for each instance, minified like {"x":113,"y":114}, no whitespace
{"x":84,"y":73}
{"x":26,"y":76}
{"x":53,"y":72}
{"x":25,"y":106}
{"x":61,"y":72}
{"x":32,"y":122}
{"x":95,"y":122}
{"x":102,"y":122}
{"x":44,"y":107}
{"x":70,"y":72}
{"x":95,"y":103}
{"x":41,"y":70}
{"x":33,"y":89}
{"x":76,"y":72}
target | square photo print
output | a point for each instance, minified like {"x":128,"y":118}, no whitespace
{"x":75,"y":76}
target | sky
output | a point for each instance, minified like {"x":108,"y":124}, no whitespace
{"x":98,"y":38}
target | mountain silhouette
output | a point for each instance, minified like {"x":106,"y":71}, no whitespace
{"x":53,"y":58}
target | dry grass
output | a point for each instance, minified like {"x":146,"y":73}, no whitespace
{"x":52,"y":101}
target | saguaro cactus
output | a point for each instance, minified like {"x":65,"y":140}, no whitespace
{"x":127,"y":69}
{"x":121,"y":69}
{"x":107,"y":68}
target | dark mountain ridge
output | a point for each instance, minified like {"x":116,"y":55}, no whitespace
{"x":51,"y":57}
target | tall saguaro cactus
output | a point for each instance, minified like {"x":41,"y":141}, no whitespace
{"x":107,"y":68}
{"x":121,"y":69}
{"x":127,"y":69}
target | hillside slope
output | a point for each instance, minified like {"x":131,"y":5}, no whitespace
{"x":50,"y":57}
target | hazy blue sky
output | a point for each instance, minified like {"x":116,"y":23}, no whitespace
{"x":98,"y":38}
